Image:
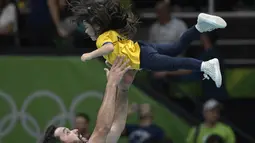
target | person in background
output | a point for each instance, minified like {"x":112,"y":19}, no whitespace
{"x":211,"y":126}
{"x":59,"y":11}
{"x":39,"y":24}
{"x":145,"y":131}
{"x":8,"y":22}
{"x":82,"y":124}
{"x":166,"y":29}
{"x":68,"y":33}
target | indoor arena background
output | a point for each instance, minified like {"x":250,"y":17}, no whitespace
{"x":43,"y":81}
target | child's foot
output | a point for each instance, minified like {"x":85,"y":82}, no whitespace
{"x":207,"y":23}
{"x":212,"y":68}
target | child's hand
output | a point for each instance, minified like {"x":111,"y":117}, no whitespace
{"x":86,"y":57}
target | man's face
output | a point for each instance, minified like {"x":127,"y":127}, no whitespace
{"x":162,"y":11}
{"x":81,"y":124}
{"x":212,"y":115}
{"x":69,"y":136}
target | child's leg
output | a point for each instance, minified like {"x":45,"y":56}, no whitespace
{"x":158,"y":62}
{"x":205,"y":23}
{"x":177,"y":47}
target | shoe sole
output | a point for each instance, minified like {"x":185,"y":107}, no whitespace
{"x":213,"y":20}
{"x":218,"y":73}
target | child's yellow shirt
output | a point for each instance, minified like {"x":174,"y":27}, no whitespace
{"x":122,"y":47}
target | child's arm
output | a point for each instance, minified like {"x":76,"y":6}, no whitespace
{"x":105,"y":49}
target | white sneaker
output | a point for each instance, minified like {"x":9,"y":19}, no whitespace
{"x":207,"y":23}
{"x":212,"y":68}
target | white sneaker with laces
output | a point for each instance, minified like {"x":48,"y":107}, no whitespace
{"x":207,"y":22}
{"x":211,"y":69}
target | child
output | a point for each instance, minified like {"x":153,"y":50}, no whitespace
{"x":112,"y":27}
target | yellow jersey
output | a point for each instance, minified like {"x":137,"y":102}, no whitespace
{"x":122,"y":47}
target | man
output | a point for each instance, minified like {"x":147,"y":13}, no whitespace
{"x":211,"y":126}
{"x":39,"y":24}
{"x":167,"y":29}
{"x":145,"y":131}
{"x":8,"y":23}
{"x":82,"y":124}
{"x":111,"y":116}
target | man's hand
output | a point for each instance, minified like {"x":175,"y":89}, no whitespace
{"x":127,"y":79}
{"x":117,"y":71}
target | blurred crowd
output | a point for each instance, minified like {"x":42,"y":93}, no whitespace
{"x":48,"y":22}
{"x":201,"y":5}
{"x":211,"y":130}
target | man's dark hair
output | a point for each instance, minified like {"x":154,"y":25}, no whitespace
{"x":49,"y":135}
{"x":106,"y":15}
{"x":83,"y":115}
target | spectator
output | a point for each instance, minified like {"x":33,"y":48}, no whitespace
{"x":211,"y":126}
{"x":8,"y":22}
{"x":59,"y":12}
{"x":39,"y":24}
{"x":62,"y":16}
{"x":82,"y":124}
{"x":145,"y":131}
{"x":167,"y":29}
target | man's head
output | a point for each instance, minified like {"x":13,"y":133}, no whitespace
{"x":211,"y":111}
{"x":82,"y":122}
{"x":63,"y":134}
{"x":145,"y":114}
{"x":163,"y":11}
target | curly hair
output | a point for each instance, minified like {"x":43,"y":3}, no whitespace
{"x":106,"y":15}
{"x":49,"y":135}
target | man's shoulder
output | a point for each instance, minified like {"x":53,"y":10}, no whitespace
{"x":177,"y":21}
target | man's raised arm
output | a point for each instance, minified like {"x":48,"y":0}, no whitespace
{"x":121,"y":109}
{"x":106,"y":112}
